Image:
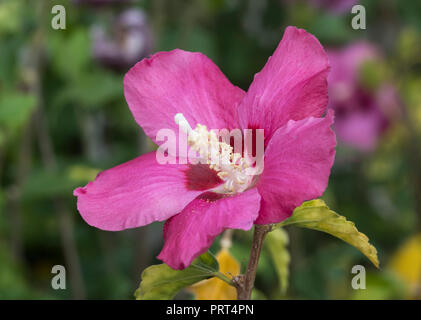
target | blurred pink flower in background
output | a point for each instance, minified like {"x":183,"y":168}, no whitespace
{"x":333,"y":6}
{"x":336,"y":6}
{"x":362,"y":114}
{"x":287,"y":99}
{"x":103,"y":2}
{"x":129,"y":42}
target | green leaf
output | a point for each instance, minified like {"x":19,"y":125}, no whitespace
{"x":92,"y":90}
{"x":71,"y":54}
{"x":10,"y":12}
{"x":43,"y":183}
{"x":15,"y":109}
{"x":160,"y":282}
{"x":316,"y":215}
{"x":82,"y":173}
{"x":276,"y":243}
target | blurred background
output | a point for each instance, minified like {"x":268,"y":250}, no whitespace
{"x":63,"y":118}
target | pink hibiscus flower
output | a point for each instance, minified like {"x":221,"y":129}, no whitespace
{"x":130,"y":42}
{"x":287,"y":99}
{"x":362,"y":115}
{"x":336,"y":6}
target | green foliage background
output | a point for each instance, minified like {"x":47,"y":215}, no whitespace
{"x":63,"y":118}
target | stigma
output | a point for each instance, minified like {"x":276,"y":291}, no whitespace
{"x":231,"y":167}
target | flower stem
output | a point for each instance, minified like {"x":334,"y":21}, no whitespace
{"x":223,"y":277}
{"x":245,"y":283}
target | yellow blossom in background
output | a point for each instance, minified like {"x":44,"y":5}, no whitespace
{"x":216,"y":289}
{"x":407,"y":263}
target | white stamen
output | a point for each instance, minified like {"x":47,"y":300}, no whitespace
{"x":231,"y":167}
{"x":181,"y":121}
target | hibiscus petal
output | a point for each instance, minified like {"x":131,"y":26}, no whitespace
{"x":178,"y":81}
{"x":139,"y":192}
{"x":191,"y":232}
{"x":297,"y":166}
{"x":291,"y":86}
